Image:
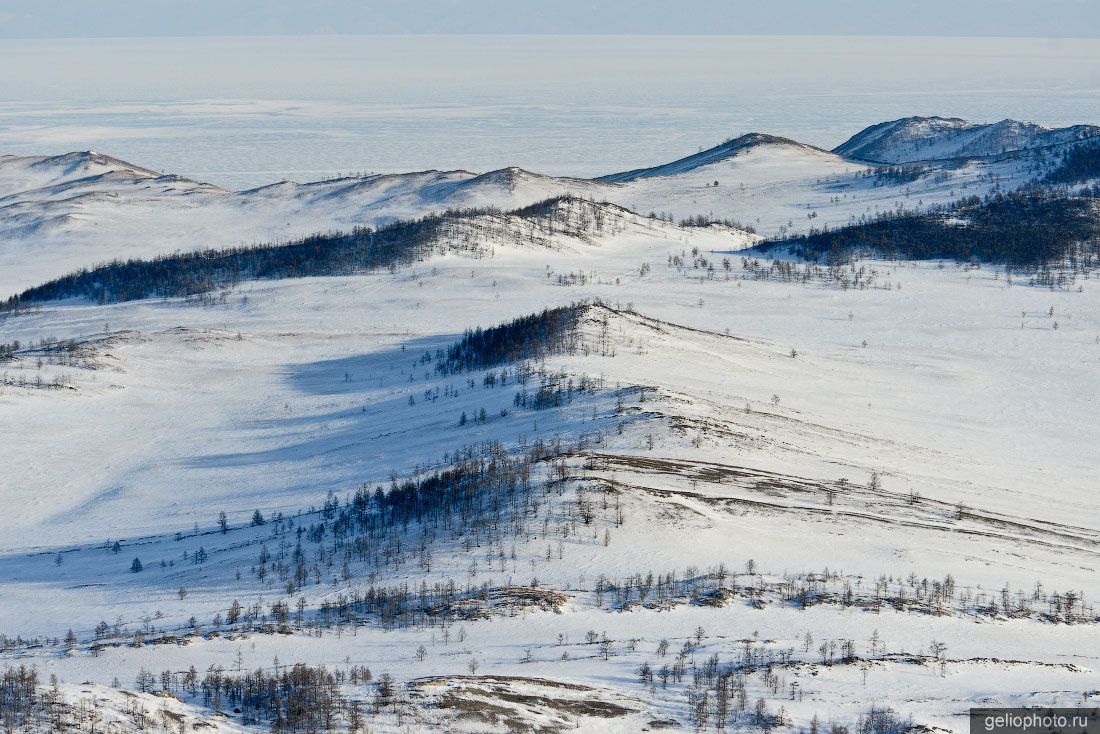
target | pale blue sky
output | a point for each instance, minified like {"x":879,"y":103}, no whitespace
{"x":110,"y":18}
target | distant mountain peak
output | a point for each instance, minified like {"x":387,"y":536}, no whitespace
{"x":82,"y":158}
{"x":725,"y":151}
{"x":507,"y":175}
{"x":919,"y":138}
{"x":512,"y":175}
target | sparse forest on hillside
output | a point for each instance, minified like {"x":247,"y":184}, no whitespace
{"x":1078,"y":165}
{"x":1024,"y":230}
{"x":362,"y":250}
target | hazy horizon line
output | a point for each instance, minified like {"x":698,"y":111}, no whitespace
{"x":548,"y":34}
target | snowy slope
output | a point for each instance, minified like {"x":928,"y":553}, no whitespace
{"x":717,"y":444}
{"x":853,"y":486}
{"x":39,"y":172}
{"x":938,"y":138}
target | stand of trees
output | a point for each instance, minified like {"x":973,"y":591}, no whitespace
{"x":20,"y":704}
{"x":553,"y":331}
{"x":202,"y":271}
{"x":1024,"y":229}
{"x":698,"y":220}
{"x":1079,"y":164}
{"x":301,"y":698}
{"x":573,"y":216}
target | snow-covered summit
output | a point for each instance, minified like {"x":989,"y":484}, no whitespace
{"x":937,"y":138}
{"x":729,"y":149}
{"x":21,"y":174}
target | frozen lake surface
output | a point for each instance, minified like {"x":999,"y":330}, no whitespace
{"x":242,"y":112}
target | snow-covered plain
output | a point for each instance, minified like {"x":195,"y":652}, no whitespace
{"x":852,"y":447}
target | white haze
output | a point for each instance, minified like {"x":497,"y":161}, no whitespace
{"x":245,"y":112}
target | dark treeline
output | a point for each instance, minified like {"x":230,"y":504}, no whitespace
{"x":202,"y":271}
{"x":454,"y":498}
{"x":1025,"y":229}
{"x":1079,"y":164}
{"x":362,"y":249}
{"x":553,"y":331}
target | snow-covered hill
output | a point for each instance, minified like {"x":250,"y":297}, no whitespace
{"x":569,"y":467}
{"x":724,"y":152}
{"x":40,"y":172}
{"x":77,"y":210}
{"x":938,"y":138}
{"x":61,"y":213}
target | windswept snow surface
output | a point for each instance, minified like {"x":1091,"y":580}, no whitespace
{"x":872,"y":485}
